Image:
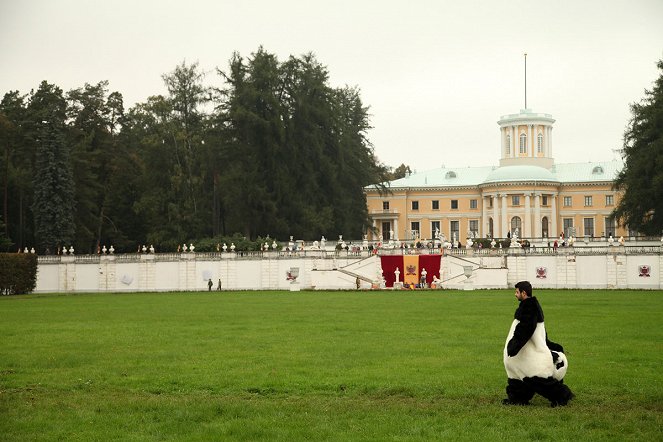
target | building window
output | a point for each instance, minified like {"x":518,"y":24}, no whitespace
{"x":474,"y":227}
{"x":385,"y":205}
{"x":490,"y":201}
{"x":515,"y":200}
{"x":491,"y":233}
{"x":569,"y":230}
{"x":436,"y":205}
{"x":414,"y":227}
{"x":544,"y":227}
{"x":415,"y":205}
{"x":588,"y":201}
{"x":386,"y":231}
{"x":523,"y":143}
{"x":567,"y":201}
{"x":539,"y":143}
{"x":473,"y":204}
{"x":609,"y":200}
{"x":454,"y":228}
{"x":516,"y":227}
{"x":589,"y":226}
{"x":544,"y":200}
{"x":454,"y":204}
{"x":508,"y":144}
{"x":435,"y":229}
{"x":610,"y":226}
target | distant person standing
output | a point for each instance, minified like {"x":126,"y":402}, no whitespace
{"x":209,"y":285}
{"x":218,"y":287}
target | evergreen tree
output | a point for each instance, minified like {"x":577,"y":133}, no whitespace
{"x":17,"y":134}
{"x":53,"y":205}
{"x":641,"y":179}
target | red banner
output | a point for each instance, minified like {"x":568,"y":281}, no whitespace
{"x":429,"y":262}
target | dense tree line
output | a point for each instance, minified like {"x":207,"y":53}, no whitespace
{"x":641,"y":179}
{"x":276,"y":151}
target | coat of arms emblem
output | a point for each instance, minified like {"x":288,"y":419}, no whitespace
{"x":645,"y":271}
{"x":541,"y":272}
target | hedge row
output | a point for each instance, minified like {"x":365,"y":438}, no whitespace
{"x":18,"y":273}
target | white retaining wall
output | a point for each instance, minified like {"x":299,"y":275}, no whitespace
{"x":190,"y":272}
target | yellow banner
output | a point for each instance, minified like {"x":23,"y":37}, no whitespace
{"x":411,"y":267}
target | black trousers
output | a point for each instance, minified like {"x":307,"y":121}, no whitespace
{"x":550,"y":388}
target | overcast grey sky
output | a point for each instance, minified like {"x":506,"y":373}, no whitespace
{"x":437,"y":75}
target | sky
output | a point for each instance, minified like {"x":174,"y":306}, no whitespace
{"x":436,"y":75}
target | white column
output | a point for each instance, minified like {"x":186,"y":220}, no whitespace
{"x":513,"y":141}
{"x":537,"y":215}
{"x":550,"y":154}
{"x":530,"y":139}
{"x":553,"y":216}
{"x":528,"y":218}
{"x":496,"y":218}
{"x":396,"y":229}
{"x":503,"y":134}
{"x":484,"y":218}
{"x":504,"y":221}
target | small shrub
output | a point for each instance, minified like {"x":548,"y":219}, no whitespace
{"x":18,"y":273}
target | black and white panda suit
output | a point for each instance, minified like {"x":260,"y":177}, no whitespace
{"x":533,"y":363}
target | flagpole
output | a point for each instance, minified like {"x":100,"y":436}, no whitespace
{"x":525,"y":80}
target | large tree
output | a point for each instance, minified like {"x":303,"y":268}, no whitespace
{"x":641,"y":179}
{"x":53,"y":205}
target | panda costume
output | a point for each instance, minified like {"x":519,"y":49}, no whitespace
{"x":533,"y":363}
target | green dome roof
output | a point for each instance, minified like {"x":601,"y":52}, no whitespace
{"x":520,"y":173}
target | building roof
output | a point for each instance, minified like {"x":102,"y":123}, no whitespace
{"x":520,"y":173}
{"x":474,"y":176}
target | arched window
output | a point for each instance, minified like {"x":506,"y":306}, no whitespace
{"x":539,"y":143}
{"x":523,"y":143}
{"x":450,"y":174}
{"x":508,"y":144}
{"x":598,"y":170}
{"x":516,"y":223}
{"x":544,"y":227}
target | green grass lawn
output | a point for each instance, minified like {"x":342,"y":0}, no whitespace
{"x":320,"y":366}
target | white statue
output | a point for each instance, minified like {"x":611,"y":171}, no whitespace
{"x":191,"y":248}
{"x":274,"y":245}
{"x":621,"y":240}
{"x":184,"y":248}
{"x":225,"y":247}
{"x":71,"y":250}
{"x":611,"y":241}
{"x":469,"y":243}
{"x":232,"y":247}
{"x":104,"y":249}
{"x":492,"y":243}
{"x":111,"y":249}
{"x":397,"y":273}
{"x":151,"y":248}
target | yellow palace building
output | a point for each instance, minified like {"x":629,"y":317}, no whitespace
{"x":527,"y":194}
